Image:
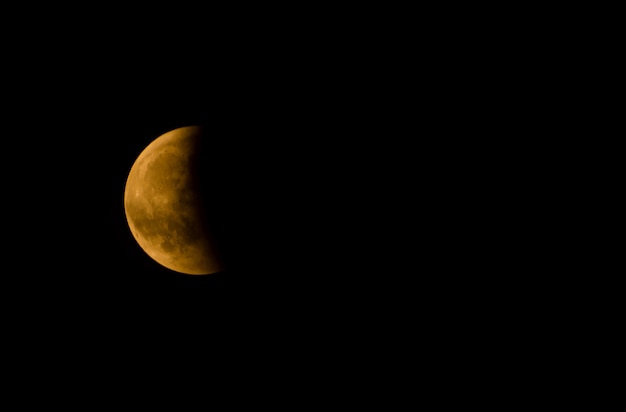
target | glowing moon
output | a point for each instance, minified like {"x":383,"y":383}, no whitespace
{"x":163,"y":204}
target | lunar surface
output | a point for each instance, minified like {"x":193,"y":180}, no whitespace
{"x":164,"y":208}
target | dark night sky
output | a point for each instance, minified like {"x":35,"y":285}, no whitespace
{"x":279,"y":150}
{"x":355,"y":180}
{"x":303,"y":186}
{"x":319,"y":134}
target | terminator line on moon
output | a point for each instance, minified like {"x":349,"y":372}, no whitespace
{"x":163,"y":206}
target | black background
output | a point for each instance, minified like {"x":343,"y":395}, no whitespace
{"x":345,"y":169}
{"x":369,"y":172}
{"x":295,"y":176}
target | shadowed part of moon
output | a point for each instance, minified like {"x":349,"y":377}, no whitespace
{"x":164,"y":206}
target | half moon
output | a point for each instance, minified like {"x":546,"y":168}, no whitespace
{"x":164,"y":207}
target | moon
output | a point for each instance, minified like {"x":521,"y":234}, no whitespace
{"x":164,"y":205}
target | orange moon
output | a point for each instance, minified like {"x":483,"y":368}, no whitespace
{"x":164,"y":207}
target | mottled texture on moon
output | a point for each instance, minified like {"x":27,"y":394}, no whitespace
{"x":163,"y":205}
